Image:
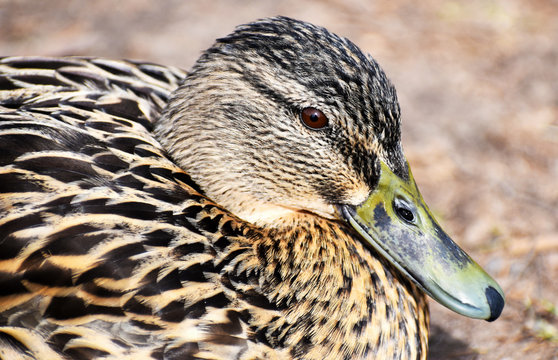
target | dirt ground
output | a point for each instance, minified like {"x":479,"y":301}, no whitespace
{"x":478,"y":86}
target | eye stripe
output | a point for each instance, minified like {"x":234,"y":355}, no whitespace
{"x":313,"y":118}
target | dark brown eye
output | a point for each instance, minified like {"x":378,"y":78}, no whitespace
{"x":313,"y":118}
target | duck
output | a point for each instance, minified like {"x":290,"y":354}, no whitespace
{"x":258,"y":206}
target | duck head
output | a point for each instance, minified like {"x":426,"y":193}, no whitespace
{"x":282,"y":117}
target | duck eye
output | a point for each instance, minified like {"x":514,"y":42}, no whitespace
{"x":313,"y":118}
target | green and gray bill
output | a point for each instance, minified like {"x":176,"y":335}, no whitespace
{"x":398,"y":224}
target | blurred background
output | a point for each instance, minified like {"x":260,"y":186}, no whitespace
{"x":478,"y":86}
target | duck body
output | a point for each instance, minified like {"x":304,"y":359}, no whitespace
{"x":117,"y":242}
{"x":86,"y":274}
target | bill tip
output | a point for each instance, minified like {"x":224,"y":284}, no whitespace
{"x":495,"y":301}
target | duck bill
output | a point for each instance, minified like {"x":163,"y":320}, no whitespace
{"x":397,"y":223}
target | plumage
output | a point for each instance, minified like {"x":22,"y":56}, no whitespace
{"x":150,"y":213}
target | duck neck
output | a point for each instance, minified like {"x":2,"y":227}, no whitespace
{"x":335,"y":296}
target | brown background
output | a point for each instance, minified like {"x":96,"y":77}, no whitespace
{"x":478,"y":85}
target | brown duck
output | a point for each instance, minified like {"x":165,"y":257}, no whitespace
{"x":257,"y":207}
